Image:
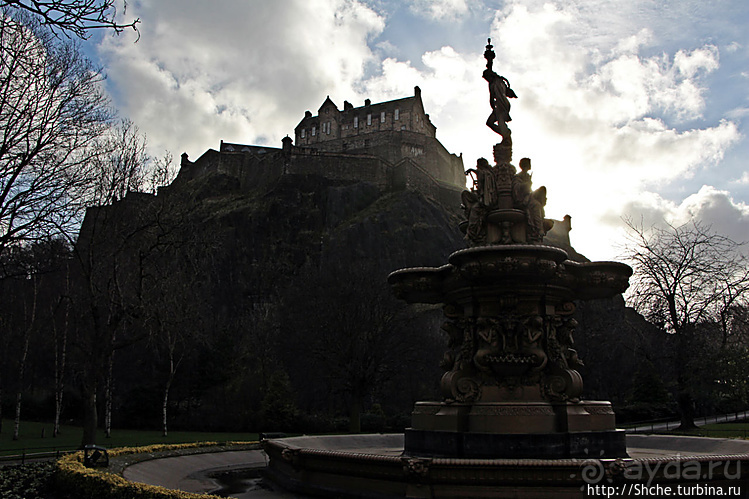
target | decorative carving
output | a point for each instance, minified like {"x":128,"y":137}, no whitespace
{"x":511,"y":352}
{"x":502,"y":207}
{"x":291,"y":456}
{"x":599,"y":410}
{"x":416,"y":467}
{"x":461,"y":385}
{"x":562,"y":385}
{"x":512,"y":410}
{"x":476,"y":214}
{"x":566,"y":308}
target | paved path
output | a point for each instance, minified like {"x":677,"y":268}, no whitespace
{"x":190,"y":473}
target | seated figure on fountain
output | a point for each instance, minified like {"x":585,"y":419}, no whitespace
{"x":532,"y":202}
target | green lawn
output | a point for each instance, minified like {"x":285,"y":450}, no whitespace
{"x":70,"y":438}
{"x":724,"y":430}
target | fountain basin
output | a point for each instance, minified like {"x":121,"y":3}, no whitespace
{"x":375,"y":466}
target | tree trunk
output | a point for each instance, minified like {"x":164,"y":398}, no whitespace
{"x":173,"y":366}
{"x":165,"y":405}
{"x":1,"y":405}
{"x":108,"y":398}
{"x":17,"y":422}
{"x":355,"y":413}
{"x":686,"y":410}
{"x":60,"y":357}
{"x":19,"y":395}
{"x":90,"y":416}
{"x":22,"y":362}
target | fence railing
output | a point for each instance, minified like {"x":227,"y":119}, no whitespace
{"x":35,"y":454}
{"x":662,"y":425}
{"x":21,"y":456}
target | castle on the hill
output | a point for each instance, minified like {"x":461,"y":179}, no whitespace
{"x":391,"y":144}
{"x":393,"y":130}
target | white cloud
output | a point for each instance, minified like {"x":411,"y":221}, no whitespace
{"x":733,"y":47}
{"x":203,"y":71}
{"x":440,"y":10}
{"x":709,"y":205}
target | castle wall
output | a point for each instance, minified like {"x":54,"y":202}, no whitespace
{"x":255,"y":167}
{"x":349,"y":167}
{"x":393,"y":146}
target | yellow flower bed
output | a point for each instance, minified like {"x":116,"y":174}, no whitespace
{"x":83,"y":482}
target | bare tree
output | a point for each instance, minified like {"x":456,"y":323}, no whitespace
{"x":687,"y":279}
{"x":107,"y":299}
{"x":161,"y":173}
{"x":173,"y":321}
{"x":110,"y":267}
{"x":355,"y":348}
{"x":75,"y":16}
{"x":120,"y":166}
{"x":51,"y":112}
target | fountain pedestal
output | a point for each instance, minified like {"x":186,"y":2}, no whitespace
{"x":520,"y":430}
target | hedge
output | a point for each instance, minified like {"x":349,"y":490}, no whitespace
{"x":73,"y":479}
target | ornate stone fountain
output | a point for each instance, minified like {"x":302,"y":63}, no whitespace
{"x":511,"y":386}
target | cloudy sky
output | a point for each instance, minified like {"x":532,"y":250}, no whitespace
{"x":636,"y":108}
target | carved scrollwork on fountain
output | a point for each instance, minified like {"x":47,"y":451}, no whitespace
{"x":562,"y":386}
{"x":461,"y":385}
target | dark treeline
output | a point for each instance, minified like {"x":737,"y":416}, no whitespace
{"x":263,"y":310}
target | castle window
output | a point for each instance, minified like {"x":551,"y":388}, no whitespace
{"x":382,"y":117}
{"x":369,"y":119}
{"x":301,"y":134}
{"x":313,"y":131}
{"x":356,"y":122}
{"x":397,"y":114}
